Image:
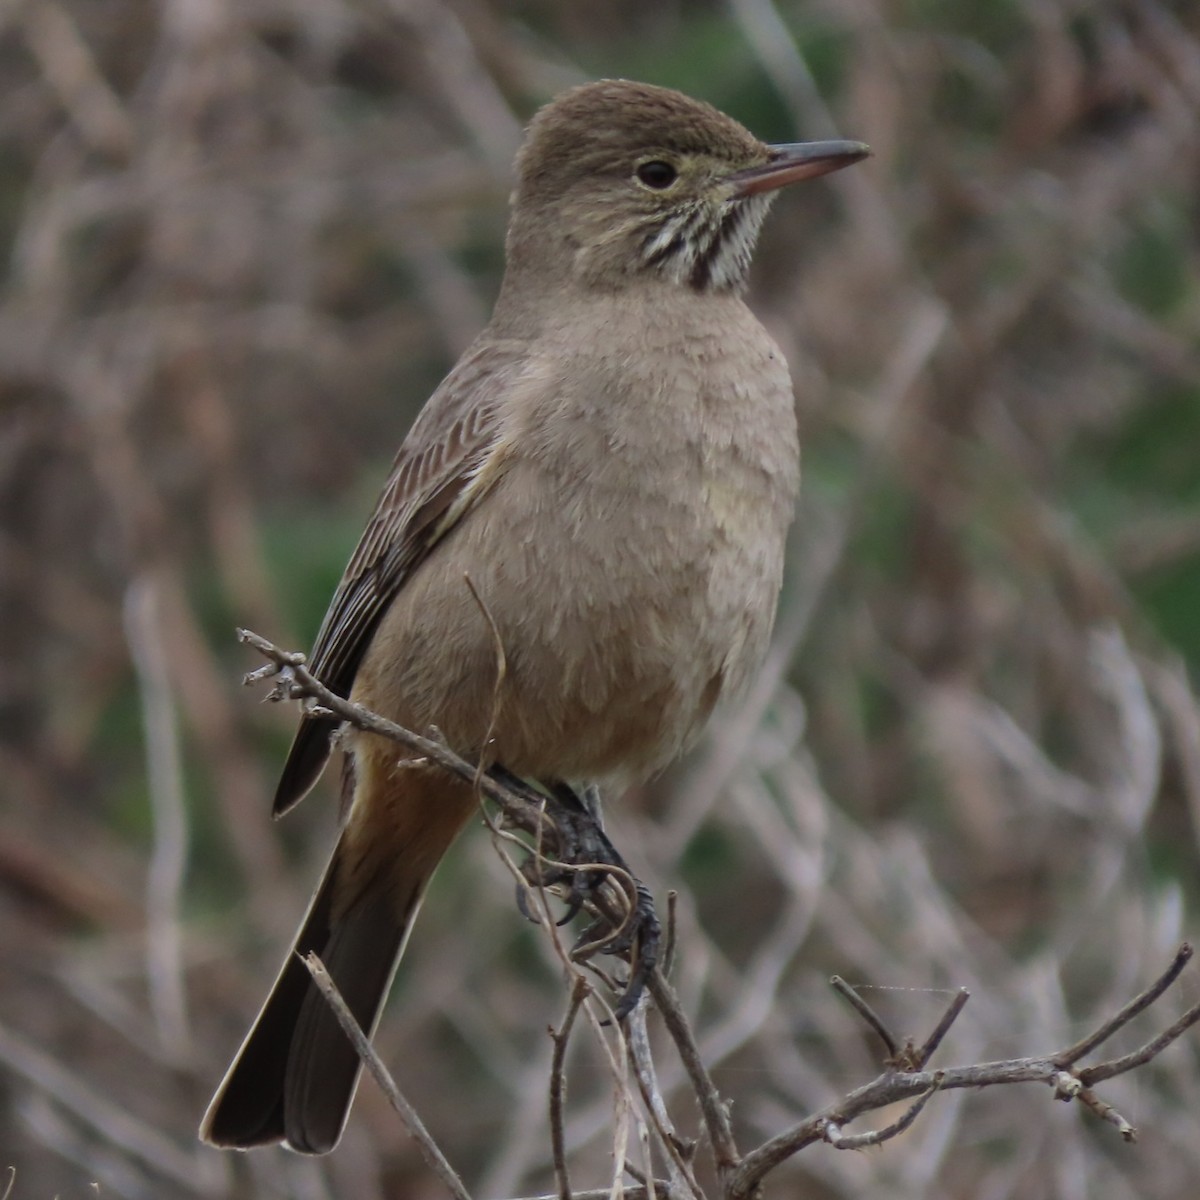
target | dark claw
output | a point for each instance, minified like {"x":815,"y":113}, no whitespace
{"x":578,"y":841}
{"x":574,"y":901}
{"x":583,"y":842}
{"x":646,"y":934}
{"x":523,"y":905}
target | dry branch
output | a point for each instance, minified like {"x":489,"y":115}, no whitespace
{"x":237,"y":241}
{"x":430,"y":1150}
{"x":896,"y":1085}
{"x":741,"y":1177}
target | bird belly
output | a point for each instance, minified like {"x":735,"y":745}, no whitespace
{"x":622,"y":578}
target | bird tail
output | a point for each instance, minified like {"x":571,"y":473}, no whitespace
{"x":295,"y":1075}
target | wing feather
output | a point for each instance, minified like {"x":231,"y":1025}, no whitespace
{"x":427,"y":493}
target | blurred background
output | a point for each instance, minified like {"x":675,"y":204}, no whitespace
{"x":243,"y":239}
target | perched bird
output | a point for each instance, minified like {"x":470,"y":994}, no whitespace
{"x":613,"y":465}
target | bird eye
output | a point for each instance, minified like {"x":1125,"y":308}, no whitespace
{"x":657,"y":174}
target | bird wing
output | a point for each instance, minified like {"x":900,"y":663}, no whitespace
{"x":437,"y":477}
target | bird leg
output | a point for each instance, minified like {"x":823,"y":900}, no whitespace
{"x":583,"y":860}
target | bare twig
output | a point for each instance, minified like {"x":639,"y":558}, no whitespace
{"x":558,"y":1085}
{"x":1143,"y":1054}
{"x":740,"y":1176}
{"x":662,"y":1191}
{"x":934,"y":1040}
{"x":668,"y":950}
{"x":867,"y":1013}
{"x":893,"y":1086}
{"x":430,"y":1152}
{"x":680,"y":1152}
{"x":906,"y":1057}
{"x":1138,"y":1004}
{"x":293,"y":681}
{"x":876,"y":1137}
{"x":712,"y":1107}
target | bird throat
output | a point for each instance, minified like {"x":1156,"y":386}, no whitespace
{"x":707,"y":247}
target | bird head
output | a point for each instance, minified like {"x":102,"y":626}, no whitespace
{"x":620,"y":181}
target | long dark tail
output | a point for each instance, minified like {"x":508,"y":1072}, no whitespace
{"x":296,"y":1073}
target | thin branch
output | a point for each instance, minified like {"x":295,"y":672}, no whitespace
{"x":558,"y":1085}
{"x":1138,"y":1004}
{"x":934,"y":1040}
{"x":434,"y":1158}
{"x":712,"y":1107}
{"x":168,"y":810}
{"x":1070,"y":1087}
{"x":601,"y":1023}
{"x":680,"y":1152}
{"x":867,"y":1013}
{"x":893,"y":1086}
{"x":662,"y":1191}
{"x":1144,"y":1054}
{"x":295,"y":682}
{"x":876,"y":1137}
{"x":889,"y":1088}
{"x":668,"y":951}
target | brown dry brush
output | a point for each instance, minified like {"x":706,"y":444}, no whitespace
{"x":237,"y":235}
{"x":641,"y":1119}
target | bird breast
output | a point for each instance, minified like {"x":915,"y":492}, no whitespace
{"x":629,"y":554}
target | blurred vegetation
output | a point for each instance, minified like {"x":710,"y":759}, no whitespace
{"x":241,"y":245}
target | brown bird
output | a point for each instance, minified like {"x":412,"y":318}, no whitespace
{"x":614,"y":465}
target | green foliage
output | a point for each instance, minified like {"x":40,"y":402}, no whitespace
{"x":306,"y":550}
{"x":1139,"y":485}
{"x":1152,"y":455}
{"x":1154,"y":266}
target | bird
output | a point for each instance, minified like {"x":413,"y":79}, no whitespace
{"x":603,"y":484}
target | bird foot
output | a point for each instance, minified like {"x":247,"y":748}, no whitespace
{"x":577,"y":866}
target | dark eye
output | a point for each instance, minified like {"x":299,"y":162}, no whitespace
{"x":657,"y":174}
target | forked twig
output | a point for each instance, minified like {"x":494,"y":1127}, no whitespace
{"x":907,"y":1084}
{"x":1138,"y":1004}
{"x":905,"y":1078}
{"x":876,"y":1137}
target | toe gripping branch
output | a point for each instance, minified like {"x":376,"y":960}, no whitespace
{"x":575,"y":859}
{"x":572,"y":855}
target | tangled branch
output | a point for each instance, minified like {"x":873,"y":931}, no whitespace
{"x":906,"y":1076}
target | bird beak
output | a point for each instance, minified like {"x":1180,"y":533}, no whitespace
{"x":796,"y":161}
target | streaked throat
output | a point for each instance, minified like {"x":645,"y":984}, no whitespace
{"x":707,"y":247}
